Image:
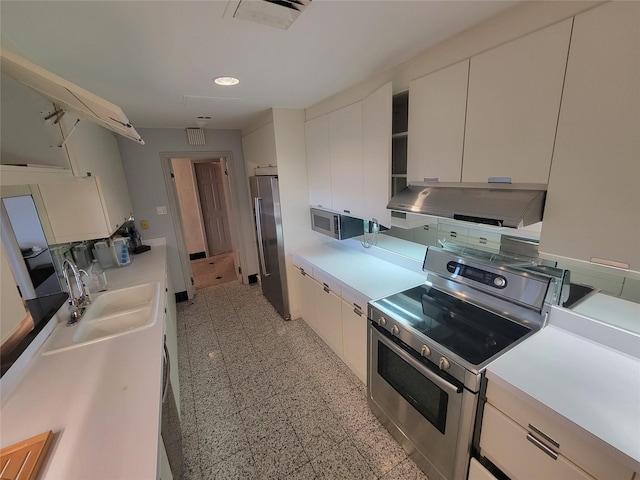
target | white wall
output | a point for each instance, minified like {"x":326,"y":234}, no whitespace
{"x":143,"y":168}
{"x":515,"y":22}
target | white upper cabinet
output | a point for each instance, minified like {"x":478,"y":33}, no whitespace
{"x":437,"y":108}
{"x":349,"y":158}
{"x":376,"y":152}
{"x":93,"y":151}
{"x":345,"y":141}
{"x":318,"y":162}
{"x":74,"y":209}
{"x":591,"y":211}
{"x":513,"y":103}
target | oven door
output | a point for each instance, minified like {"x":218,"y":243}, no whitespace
{"x":431,"y":417}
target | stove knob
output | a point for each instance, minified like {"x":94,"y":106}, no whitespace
{"x":425,"y":351}
{"x":499,"y":282}
{"x":444,"y":364}
{"x":395,"y":330}
{"x":382,"y":321}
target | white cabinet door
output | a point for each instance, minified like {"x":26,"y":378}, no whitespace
{"x":376,"y":152}
{"x":308,"y":289}
{"x":345,"y":140}
{"x":354,"y":339}
{"x":509,"y":446}
{"x":93,"y":151}
{"x":593,"y":197}
{"x":329,"y":317}
{"x":513,"y":104}
{"x":74,"y":209}
{"x":318,"y":161}
{"x":437,"y":109}
{"x":171,"y":332}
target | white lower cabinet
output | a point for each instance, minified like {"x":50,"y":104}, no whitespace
{"x":329,"y":317}
{"x":478,"y":472}
{"x":526,"y":441}
{"x":354,"y":333}
{"x":520,"y":454}
{"x":337,"y":314}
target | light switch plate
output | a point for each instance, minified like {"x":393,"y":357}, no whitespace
{"x":161,"y":210}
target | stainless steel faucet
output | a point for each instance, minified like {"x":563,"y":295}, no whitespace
{"x":78,"y":303}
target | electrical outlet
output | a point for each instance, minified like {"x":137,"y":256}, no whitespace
{"x":161,"y":210}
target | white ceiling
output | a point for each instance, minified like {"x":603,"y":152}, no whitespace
{"x":156,"y":59}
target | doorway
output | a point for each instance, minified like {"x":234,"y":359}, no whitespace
{"x":203,"y":194}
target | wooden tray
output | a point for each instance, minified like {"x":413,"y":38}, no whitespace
{"x":21,"y":461}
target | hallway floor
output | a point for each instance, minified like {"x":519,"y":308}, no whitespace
{"x":214,"y":270}
{"x":263,"y":398}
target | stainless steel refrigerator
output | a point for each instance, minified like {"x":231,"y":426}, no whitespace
{"x":273,"y":276}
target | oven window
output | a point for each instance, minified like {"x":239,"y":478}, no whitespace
{"x":424,"y":395}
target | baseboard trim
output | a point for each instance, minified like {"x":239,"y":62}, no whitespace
{"x":196,"y":256}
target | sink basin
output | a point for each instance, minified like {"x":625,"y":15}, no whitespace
{"x":111,"y":314}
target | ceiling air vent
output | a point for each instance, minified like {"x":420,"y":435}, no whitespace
{"x":273,"y":13}
{"x":195,"y":136}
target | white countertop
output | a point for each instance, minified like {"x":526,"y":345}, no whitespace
{"x":584,"y":371}
{"x":102,"y":401}
{"x":618,"y":312}
{"x":361,"y":270}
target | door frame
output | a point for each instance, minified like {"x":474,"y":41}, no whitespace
{"x":231,"y":195}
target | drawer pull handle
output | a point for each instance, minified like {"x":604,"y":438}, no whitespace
{"x":544,"y":436}
{"x":303,"y":272}
{"x":542,"y":446}
{"x":357,"y":306}
{"x":357,"y":312}
{"x":326,"y":288}
{"x":483,"y":240}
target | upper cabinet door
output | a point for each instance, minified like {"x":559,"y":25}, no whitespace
{"x":93,"y":151}
{"x":591,"y":211}
{"x":318,"y":162}
{"x":75,"y":210}
{"x":513,"y":104}
{"x":437,"y":108}
{"x":345,"y":140}
{"x":376,"y":152}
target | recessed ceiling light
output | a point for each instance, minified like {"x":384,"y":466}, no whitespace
{"x":226,"y":81}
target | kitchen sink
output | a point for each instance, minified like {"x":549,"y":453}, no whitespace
{"x":111,"y":314}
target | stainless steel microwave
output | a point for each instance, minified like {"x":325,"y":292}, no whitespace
{"x":335,"y":224}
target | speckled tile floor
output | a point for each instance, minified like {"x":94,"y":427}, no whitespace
{"x":267,"y":399}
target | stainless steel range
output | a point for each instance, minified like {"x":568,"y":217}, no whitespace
{"x":429,"y":347}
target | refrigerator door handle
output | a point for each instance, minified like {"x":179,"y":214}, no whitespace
{"x":258,"y":211}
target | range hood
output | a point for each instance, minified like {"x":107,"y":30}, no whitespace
{"x":68,"y":96}
{"x":500,"y":204}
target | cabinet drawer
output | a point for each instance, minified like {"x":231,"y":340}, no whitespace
{"x":572,"y":445}
{"x":354,"y":298}
{"x":483,"y":237}
{"x":451,"y":231}
{"x":510,"y":447}
{"x":328,"y":281}
{"x":478,"y":472}
{"x":302,"y":264}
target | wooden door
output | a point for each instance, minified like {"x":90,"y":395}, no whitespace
{"x":215,"y":218}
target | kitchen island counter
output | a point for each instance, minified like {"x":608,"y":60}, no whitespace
{"x":101,"y":400}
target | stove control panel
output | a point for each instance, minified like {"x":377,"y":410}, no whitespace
{"x":477,"y":275}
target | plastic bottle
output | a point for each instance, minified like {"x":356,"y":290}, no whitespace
{"x":98,"y":282}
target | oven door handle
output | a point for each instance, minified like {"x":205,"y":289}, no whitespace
{"x":435,"y":378}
